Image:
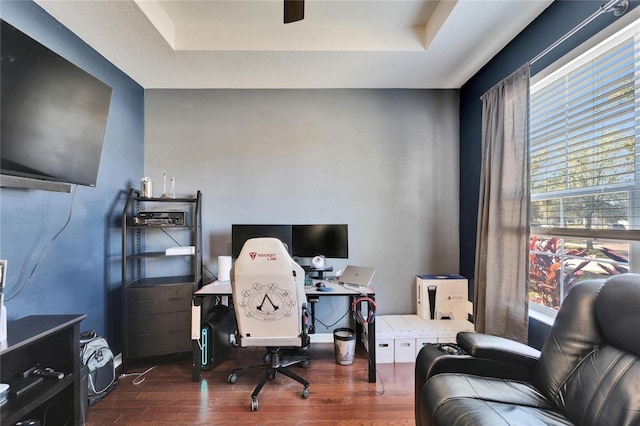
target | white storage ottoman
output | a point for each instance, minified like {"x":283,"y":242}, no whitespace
{"x":449,"y":329}
{"x":384,"y":342}
{"x":423,"y":332}
{"x":404,"y":342}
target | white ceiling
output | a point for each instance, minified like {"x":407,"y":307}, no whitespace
{"x":339,"y":44}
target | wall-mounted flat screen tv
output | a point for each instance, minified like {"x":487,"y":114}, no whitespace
{"x":53,"y":114}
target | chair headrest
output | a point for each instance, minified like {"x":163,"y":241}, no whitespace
{"x":618,"y":311}
{"x":264,"y":248}
{"x":264,"y":243}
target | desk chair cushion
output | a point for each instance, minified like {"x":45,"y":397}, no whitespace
{"x":268,"y":292}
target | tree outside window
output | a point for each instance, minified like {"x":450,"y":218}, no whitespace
{"x":585,"y":170}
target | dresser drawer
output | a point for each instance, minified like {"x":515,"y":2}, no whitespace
{"x":159,"y":334}
{"x":158,"y":299}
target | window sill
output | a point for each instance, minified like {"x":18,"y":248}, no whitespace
{"x":541,"y":314}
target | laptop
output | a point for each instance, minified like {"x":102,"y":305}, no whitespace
{"x":355,"y":277}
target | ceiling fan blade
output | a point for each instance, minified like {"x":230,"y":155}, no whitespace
{"x":293,"y":11}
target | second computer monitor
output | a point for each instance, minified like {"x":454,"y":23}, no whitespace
{"x":331,"y":241}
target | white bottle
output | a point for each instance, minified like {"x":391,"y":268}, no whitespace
{"x":3,"y":322}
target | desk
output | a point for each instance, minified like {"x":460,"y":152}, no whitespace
{"x":313,"y":296}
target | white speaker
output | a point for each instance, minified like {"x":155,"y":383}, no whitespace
{"x":318,"y":262}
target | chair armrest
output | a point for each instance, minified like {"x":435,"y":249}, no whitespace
{"x":432,"y":361}
{"x":497,"y":348}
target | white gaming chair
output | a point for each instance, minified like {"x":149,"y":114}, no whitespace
{"x":271,"y":309}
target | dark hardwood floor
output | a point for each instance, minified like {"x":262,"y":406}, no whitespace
{"x":340,"y":395}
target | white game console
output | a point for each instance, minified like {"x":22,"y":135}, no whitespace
{"x":442,"y":297}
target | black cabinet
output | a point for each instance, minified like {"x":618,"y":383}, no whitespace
{"x":46,"y":341}
{"x":161,"y":268}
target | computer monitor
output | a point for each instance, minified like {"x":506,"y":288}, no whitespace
{"x":241,"y":233}
{"x":331,"y":241}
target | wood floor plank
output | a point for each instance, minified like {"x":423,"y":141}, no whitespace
{"x":340,"y":395}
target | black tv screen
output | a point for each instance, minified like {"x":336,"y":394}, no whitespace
{"x":241,"y":233}
{"x":331,"y":241}
{"x":53,"y":114}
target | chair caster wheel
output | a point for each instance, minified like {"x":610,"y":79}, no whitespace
{"x":254,"y":405}
{"x":305,"y":364}
{"x":233,"y":377}
{"x":305,"y":393}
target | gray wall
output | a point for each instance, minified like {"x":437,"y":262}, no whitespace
{"x":383,"y":161}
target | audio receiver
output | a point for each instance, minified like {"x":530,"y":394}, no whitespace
{"x":160,"y":218}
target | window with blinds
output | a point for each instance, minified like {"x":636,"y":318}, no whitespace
{"x":585,"y":168}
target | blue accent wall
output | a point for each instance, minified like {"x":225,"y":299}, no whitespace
{"x":55,"y":268}
{"x":557,"y":20}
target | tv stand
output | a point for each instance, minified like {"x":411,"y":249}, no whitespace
{"x":48,"y":341}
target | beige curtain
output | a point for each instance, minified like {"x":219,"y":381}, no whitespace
{"x":501,"y":269}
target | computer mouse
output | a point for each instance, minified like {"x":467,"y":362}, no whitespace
{"x":321,"y":285}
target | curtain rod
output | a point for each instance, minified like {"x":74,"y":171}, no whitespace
{"x":618,"y":7}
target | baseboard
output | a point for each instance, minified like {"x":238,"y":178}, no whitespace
{"x":321,"y":338}
{"x":315,"y":338}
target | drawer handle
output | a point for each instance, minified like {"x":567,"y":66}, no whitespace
{"x":140,"y":302}
{"x":145,"y":335}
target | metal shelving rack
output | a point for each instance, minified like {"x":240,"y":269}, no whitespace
{"x":157,"y":292}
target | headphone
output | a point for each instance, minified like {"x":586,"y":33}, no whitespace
{"x":371,"y":305}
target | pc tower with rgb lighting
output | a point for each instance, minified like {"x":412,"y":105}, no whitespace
{"x":214,"y":336}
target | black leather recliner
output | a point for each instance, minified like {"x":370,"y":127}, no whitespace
{"x":588,"y":372}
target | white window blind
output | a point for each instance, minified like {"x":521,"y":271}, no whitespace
{"x":584,"y":136}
